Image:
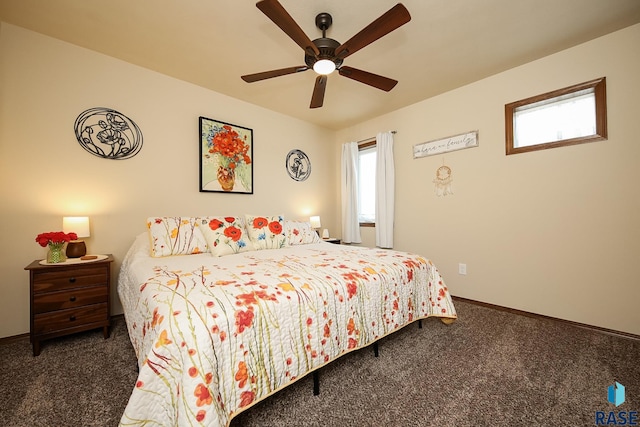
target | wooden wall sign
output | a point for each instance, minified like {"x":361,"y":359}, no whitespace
{"x":444,"y":145}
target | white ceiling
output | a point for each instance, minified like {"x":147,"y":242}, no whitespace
{"x":211,"y":43}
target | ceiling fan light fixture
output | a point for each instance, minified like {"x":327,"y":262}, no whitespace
{"x":324,"y":67}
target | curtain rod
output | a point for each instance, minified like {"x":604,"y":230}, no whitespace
{"x":373,"y":137}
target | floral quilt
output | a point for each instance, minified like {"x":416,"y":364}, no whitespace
{"x":213,"y":336}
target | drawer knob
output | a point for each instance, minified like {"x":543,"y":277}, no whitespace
{"x":72,"y":280}
{"x":72,"y":299}
{"x":72,"y":318}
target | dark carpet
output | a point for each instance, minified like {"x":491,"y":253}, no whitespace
{"x":490,"y":368}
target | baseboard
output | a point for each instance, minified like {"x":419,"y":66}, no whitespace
{"x":552,"y":319}
{"x":14,"y":338}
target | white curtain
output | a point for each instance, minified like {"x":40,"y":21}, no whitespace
{"x":349,"y":191}
{"x":385,"y":190}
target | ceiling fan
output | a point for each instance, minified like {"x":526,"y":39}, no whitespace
{"x":325,"y":55}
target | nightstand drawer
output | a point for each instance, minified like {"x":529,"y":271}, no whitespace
{"x":51,"y":301}
{"x":63,"y":319}
{"x":66,"y":279}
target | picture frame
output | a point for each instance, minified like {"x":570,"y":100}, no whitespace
{"x":226,"y":157}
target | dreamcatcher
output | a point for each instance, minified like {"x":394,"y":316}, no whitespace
{"x":443,"y":181}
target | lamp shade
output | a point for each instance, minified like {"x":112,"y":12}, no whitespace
{"x":76,"y":224}
{"x":315,"y":222}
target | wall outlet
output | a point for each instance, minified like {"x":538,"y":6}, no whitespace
{"x":462,"y":268}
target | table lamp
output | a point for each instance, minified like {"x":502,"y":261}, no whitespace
{"x":80,"y":226}
{"x":315,"y":223}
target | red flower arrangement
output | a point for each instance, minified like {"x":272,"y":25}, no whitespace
{"x":55,"y":238}
{"x":230,"y":147}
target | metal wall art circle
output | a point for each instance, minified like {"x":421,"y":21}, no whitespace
{"x":298,"y":165}
{"x":107,"y":133}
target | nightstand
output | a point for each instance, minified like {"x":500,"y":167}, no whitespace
{"x":332,"y":240}
{"x":69,"y":297}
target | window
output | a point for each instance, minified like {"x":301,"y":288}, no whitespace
{"x":573,"y":115}
{"x":367,"y":184}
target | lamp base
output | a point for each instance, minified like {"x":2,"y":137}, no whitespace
{"x":76,"y":249}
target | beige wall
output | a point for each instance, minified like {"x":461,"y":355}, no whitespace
{"x":45,"y":174}
{"x":555,"y":232}
{"x":552,"y":232}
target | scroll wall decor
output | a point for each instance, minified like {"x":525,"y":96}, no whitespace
{"x":108,"y":133}
{"x":445,"y":145}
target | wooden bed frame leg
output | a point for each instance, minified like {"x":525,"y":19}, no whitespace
{"x":419,"y":323}
{"x":447,"y":321}
{"x":375,"y":349}
{"x":316,"y":383}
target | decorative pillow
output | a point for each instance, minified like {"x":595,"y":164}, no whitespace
{"x":300,"y":233}
{"x":175,"y":236}
{"x":266,"y":232}
{"x":225,"y":235}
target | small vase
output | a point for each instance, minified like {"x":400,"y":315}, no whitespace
{"x":226,"y":178}
{"x":55,"y":254}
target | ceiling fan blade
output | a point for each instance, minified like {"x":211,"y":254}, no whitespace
{"x":318,"y":92}
{"x":395,"y":17}
{"x":380,"y":82}
{"x":274,"y":11}
{"x":250,"y":78}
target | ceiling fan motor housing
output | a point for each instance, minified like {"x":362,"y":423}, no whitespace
{"x":327,"y":48}
{"x":325,"y":45}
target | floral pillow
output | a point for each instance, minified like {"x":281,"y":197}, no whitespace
{"x":300,"y":233}
{"x":266,"y":232}
{"x":225,"y":235}
{"x":175,"y":236}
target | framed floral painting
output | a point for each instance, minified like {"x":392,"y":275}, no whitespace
{"x":226,"y":157}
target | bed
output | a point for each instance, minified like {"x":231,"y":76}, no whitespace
{"x":214,"y":334}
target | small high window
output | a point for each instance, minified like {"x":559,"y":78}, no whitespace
{"x":573,"y":115}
